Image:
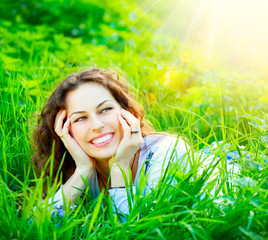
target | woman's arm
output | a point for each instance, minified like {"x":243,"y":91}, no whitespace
{"x":129,"y":145}
{"x":73,"y":188}
{"x":162,"y":153}
{"x":85,"y":166}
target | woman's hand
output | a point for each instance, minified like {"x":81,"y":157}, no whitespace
{"x":84,"y":164}
{"x":129,"y":145}
{"x":82,"y":160}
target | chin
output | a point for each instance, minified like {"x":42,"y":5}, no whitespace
{"x":103,"y":156}
{"x":102,"y":153}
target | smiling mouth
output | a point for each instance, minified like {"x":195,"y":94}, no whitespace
{"x":102,"y":141}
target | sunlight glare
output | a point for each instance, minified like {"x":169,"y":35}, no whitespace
{"x":236,"y":30}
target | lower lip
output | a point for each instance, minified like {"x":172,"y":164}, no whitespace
{"x":104,"y":143}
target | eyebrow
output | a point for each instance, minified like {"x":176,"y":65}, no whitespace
{"x":79,"y":112}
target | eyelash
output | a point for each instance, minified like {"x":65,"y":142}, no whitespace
{"x":106,"y":109}
{"x":102,"y":111}
{"x":78,"y":119}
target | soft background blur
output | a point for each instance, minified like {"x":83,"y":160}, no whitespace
{"x":208,"y":57}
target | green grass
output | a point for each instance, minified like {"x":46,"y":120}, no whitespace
{"x":187,"y":98}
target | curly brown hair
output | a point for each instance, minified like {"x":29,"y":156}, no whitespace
{"x":44,"y":136}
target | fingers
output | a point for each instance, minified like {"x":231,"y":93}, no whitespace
{"x":132,"y":121}
{"x":131,"y":141}
{"x":130,"y":125}
{"x":59,"y":122}
{"x":62,"y":129}
{"x":65,"y":129}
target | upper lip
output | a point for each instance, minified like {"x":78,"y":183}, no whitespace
{"x":100,"y":135}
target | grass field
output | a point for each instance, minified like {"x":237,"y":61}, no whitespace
{"x":183,"y":92}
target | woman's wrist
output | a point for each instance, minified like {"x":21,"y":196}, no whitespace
{"x":84,"y":171}
{"x":117,"y":178}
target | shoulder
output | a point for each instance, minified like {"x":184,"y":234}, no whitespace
{"x":164,"y":141}
{"x":164,"y":146}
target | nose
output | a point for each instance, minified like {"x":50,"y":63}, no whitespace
{"x":96,"y":123}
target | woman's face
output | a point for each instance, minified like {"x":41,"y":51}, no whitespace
{"x":93,"y":113}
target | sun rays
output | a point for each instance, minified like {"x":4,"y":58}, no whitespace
{"x":235,"y":30}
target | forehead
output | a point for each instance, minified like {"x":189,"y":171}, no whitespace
{"x":86,"y":96}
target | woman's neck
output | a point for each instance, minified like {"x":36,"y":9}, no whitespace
{"x":103,"y":169}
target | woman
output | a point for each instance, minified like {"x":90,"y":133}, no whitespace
{"x":96,"y":121}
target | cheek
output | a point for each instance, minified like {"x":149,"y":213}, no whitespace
{"x":76,"y":132}
{"x":111,"y":119}
{"x":116,"y":121}
{"x":113,"y":122}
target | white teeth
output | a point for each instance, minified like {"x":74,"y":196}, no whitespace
{"x":102,"y":139}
